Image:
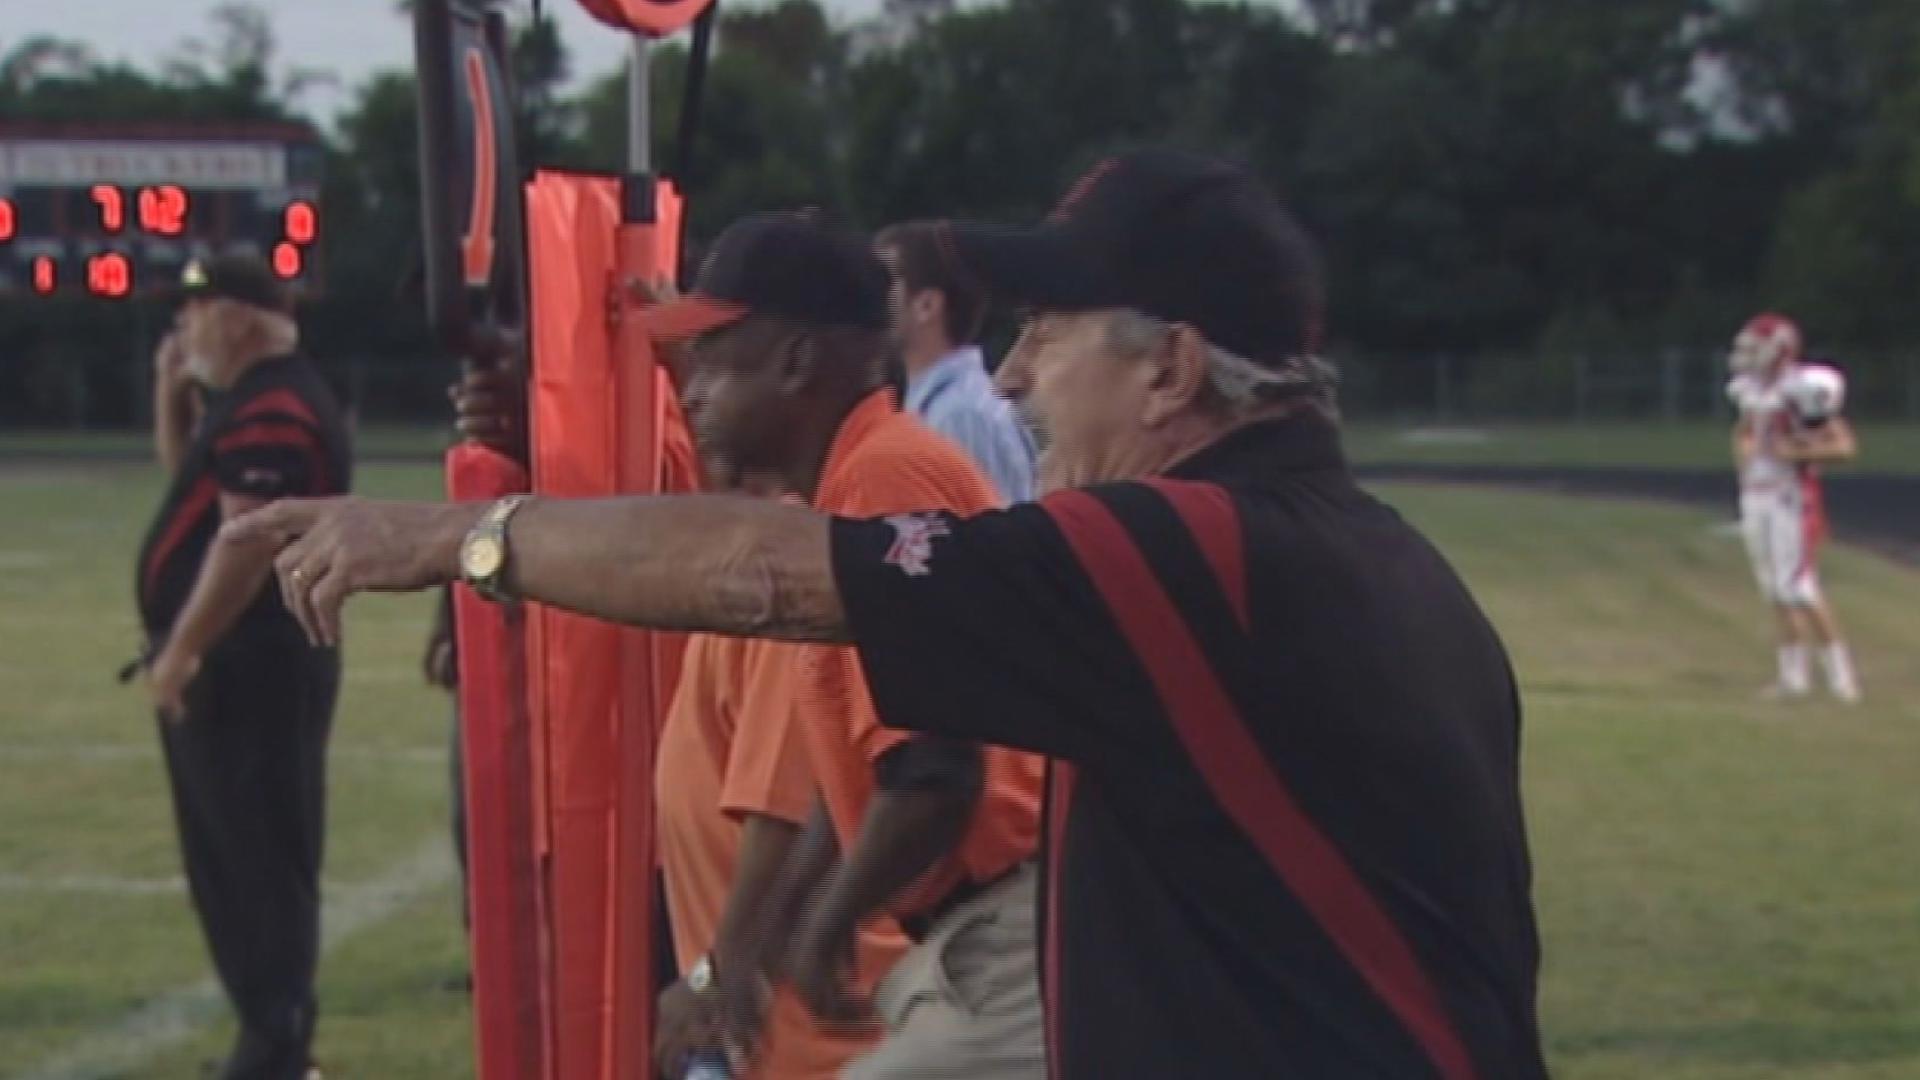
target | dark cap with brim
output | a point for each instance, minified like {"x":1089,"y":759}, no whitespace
{"x":1178,"y":236}
{"x":241,"y":278}
{"x":789,"y":265}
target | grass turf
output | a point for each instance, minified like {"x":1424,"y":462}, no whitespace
{"x":1884,"y":447}
{"x":1726,"y":889}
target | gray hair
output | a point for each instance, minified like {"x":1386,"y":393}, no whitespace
{"x":1240,"y":382}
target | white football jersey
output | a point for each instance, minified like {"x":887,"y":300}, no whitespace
{"x":1802,"y":396}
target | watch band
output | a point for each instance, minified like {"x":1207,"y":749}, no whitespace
{"x":484,"y":554}
{"x":700,"y":976}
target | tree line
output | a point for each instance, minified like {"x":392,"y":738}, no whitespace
{"x":1532,"y":179}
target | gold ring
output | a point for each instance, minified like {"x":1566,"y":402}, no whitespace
{"x":298,"y":575}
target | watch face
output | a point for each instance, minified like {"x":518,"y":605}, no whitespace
{"x":481,"y":557}
{"x":701,"y":977}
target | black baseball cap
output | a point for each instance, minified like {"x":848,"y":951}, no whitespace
{"x":242,"y":278}
{"x":1180,"y":236}
{"x":789,"y":264}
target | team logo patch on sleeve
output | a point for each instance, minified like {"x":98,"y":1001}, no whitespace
{"x":913,"y":537}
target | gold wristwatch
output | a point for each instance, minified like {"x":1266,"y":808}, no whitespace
{"x":483,"y":554}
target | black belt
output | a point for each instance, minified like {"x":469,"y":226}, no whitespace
{"x":921,"y":923}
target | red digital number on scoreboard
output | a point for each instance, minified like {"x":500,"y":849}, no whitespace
{"x":8,"y":222}
{"x":286,"y":259}
{"x":109,"y":274}
{"x":301,"y":222}
{"x":113,"y":207}
{"x":163,"y":210}
{"x":44,"y":275}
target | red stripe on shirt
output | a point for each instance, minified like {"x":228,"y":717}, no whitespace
{"x":278,"y":401}
{"x":282,"y":433}
{"x":1237,"y":771}
{"x":198,"y":500}
{"x":1813,"y":522}
{"x":1208,"y":511}
{"x":287,"y":435}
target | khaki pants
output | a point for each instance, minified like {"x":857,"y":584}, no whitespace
{"x":964,"y":1004}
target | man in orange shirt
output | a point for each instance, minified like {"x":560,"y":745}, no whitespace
{"x":732,"y":788}
{"x":785,"y":377}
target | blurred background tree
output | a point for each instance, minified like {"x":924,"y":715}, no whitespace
{"x":1488,"y":178}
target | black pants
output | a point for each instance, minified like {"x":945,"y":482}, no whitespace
{"x":248,"y":770}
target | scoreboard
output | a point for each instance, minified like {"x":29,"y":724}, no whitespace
{"x":116,"y":213}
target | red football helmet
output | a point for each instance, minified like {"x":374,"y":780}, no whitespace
{"x":1767,"y":342}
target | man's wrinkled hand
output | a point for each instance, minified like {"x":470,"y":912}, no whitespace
{"x":334,"y":548}
{"x":167,"y":680}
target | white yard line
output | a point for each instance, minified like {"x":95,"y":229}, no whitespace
{"x":90,"y":884}
{"x":177,"y":1015}
{"x":111,"y":885}
{"x":31,"y":752}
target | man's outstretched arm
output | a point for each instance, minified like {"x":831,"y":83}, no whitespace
{"x":680,"y":562}
{"x":228,"y":582}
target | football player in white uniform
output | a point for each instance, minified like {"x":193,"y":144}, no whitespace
{"x":1790,"y":424}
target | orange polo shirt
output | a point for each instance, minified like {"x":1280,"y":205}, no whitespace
{"x":731,"y":747}
{"x":883,"y":462}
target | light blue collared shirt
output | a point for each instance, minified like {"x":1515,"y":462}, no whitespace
{"x":955,"y":397}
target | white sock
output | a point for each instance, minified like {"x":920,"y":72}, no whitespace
{"x":1839,"y":664}
{"x":1794,"y":674}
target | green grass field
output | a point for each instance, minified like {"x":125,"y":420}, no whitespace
{"x":1884,"y":447}
{"x":1727,"y":889}
{"x":371,"y":442}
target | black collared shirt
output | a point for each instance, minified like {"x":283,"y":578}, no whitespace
{"x":275,"y":433}
{"x":1285,"y":835}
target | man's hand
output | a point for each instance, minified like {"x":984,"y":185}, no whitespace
{"x":490,"y":407}
{"x":170,"y":363}
{"x":820,"y":964}
{"x":684,"y":1023}
{"x":333,"y":548}
{"x":437,"y":665}
{"x":167,"y":680}
{"x":741,"y":997}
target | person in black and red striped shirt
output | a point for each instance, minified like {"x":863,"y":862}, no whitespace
{"x":1285,"y":836}
{"x":245,"y":701}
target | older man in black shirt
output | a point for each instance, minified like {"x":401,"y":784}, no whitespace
{"x":246,"y":702}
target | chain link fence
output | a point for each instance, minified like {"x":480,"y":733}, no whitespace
{"x":56,"y":387}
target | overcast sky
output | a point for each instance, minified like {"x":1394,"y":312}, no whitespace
{"x":349,"y":37}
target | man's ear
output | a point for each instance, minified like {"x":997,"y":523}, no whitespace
{"x":799,"y":360}
{"x":1178,"y":379}
{"x":927,"y":304}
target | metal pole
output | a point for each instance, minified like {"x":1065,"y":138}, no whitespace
{"x":639,"y":108}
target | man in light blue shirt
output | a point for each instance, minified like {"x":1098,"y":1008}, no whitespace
{"x":937,"y":314}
